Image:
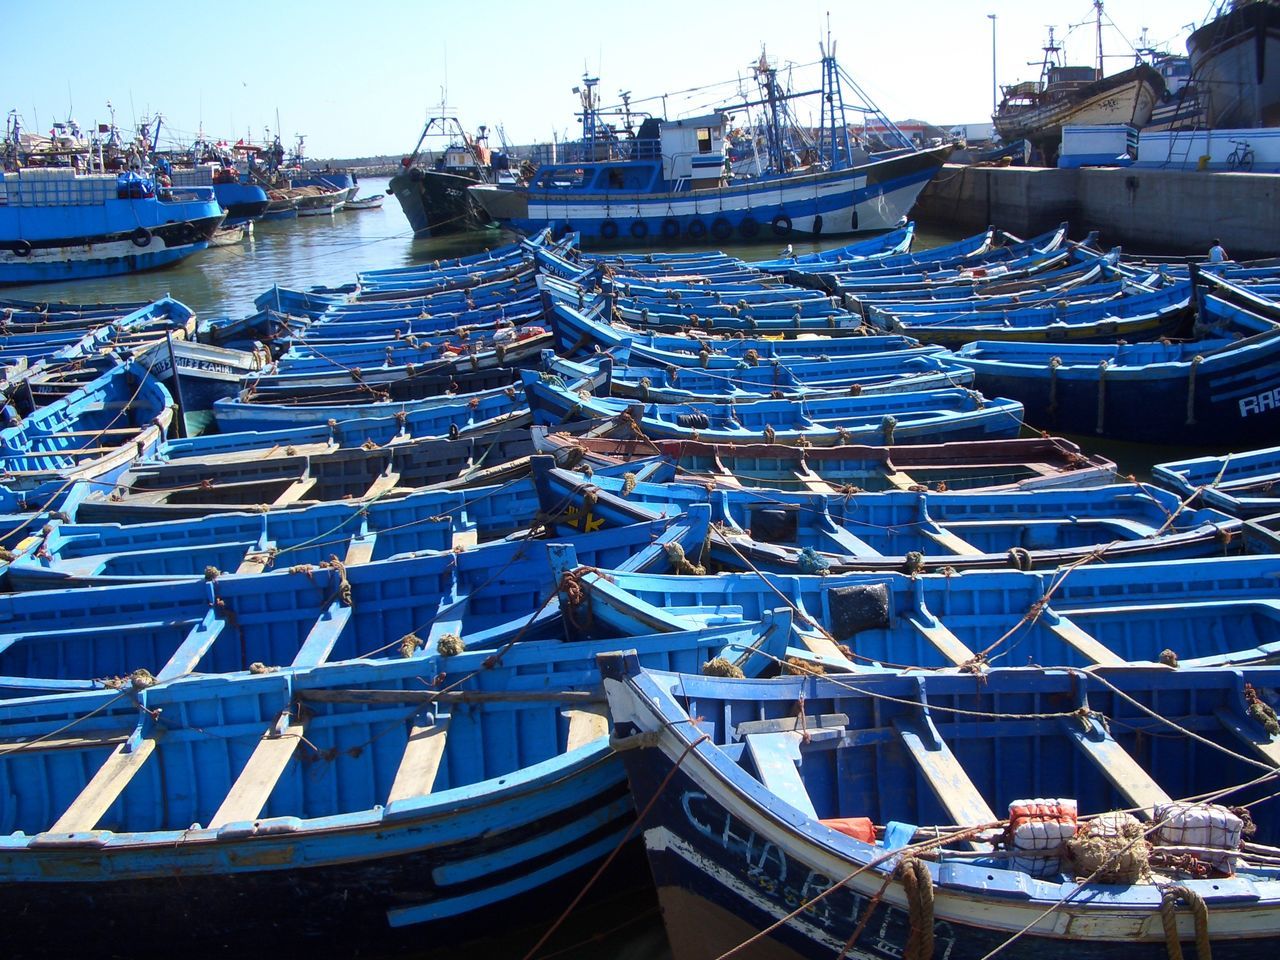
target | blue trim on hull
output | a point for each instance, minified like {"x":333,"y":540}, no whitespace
{"x":763,"y":215}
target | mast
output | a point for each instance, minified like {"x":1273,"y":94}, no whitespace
{"x":1097,"y":9}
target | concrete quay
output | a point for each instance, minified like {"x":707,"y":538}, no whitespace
{"x":1153,"y":210}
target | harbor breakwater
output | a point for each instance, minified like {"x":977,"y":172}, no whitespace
{"x":1141,"y":208}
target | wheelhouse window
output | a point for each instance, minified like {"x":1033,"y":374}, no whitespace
{"x":562,"y":178}
{"x":633,"y":177}
{"x":704,"y":139}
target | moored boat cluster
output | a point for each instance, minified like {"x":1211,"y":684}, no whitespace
{"x":493,"y":571}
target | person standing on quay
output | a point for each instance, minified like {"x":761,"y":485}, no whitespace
{"x":1216,"y":253}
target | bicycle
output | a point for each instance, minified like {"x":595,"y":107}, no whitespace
{"x":1241,"y":158}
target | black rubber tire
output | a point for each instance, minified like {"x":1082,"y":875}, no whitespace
{"x":817,"y":224}
{"x":781,"y":225}
{"x":670,"y":229}
{"x":748,"y":227}
{"x":22,"y":248}
{"x":721,"y":228}
{"x":609,"y":230}
{"x":696,"y":230}
{"x":639,"y":229}
{"x":141,"y":237}
{"x":416,"y":174}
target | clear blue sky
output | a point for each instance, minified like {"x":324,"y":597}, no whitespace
{"x":360,"y":76}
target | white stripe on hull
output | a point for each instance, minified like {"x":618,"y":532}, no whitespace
{"x":88,"y":252}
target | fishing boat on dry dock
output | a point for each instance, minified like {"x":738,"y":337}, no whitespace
{"x":1037,"y":110}
{"x":760,"y":835}
{"x":1229,"y":61}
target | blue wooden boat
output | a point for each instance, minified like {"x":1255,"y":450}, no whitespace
{"x":1222,"y":389}
{"x":58,"y":225}
{"x":888,"y":244}
{"x":303,"y":615}
{"x":93,"y":434}
{"x":978,"y":256}
{"x":1204,"y":612}
{"x":408,"y":805}
{"x":1132,"y":315}
{"x":863,"y":818}
{"x":185,"y":481}
{"x":1039,"y":463}
{"x":1066,"y":282}
{"x":576,"y":331}
{"x":901,"y":530}
{"x":151,"y":532}
{"x":868,"y":375}
{"x":923,"y":417}
{"x":491,"y":407}
{"x":1242,"y":484}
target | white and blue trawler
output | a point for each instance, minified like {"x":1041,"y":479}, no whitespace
{"x":56,"y":224}
{"x":675,"y":180}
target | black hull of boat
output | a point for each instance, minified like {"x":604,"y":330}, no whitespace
{"x":438,"y":204}
{"x":283,"y":905}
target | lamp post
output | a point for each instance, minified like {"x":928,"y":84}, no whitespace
{"x":994,"y":102}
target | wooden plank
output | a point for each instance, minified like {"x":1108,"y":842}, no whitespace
{"x":1125,"y":774}
{"x":1249,"y":732}
{"x":1083,"y":643}
{"x":586,"y":724}
{"x":360,"y":550}
{"x":383,"y":485}
{"x":295,"y":492}
{"x":947,"y":643}
{"x":851,"y":544}
{"x":194,"y":646}
{"x":249,"y":794}
{"x":465,"y":539}
{"x":420,"y":763}
{"x":92,"y":433}
{"x":946,"y":778}
{"x":949,"y":541}
{"x":255,"y":561}
{"x":105,"y":787}
{"x":788,"y":724}
{"x":775,"y":756}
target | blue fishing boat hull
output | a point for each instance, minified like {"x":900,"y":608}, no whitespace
{"x":874,"y":196}
{"x":58,"y":226}
{"x":242,"y":201}
{"x":743,"y":859}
